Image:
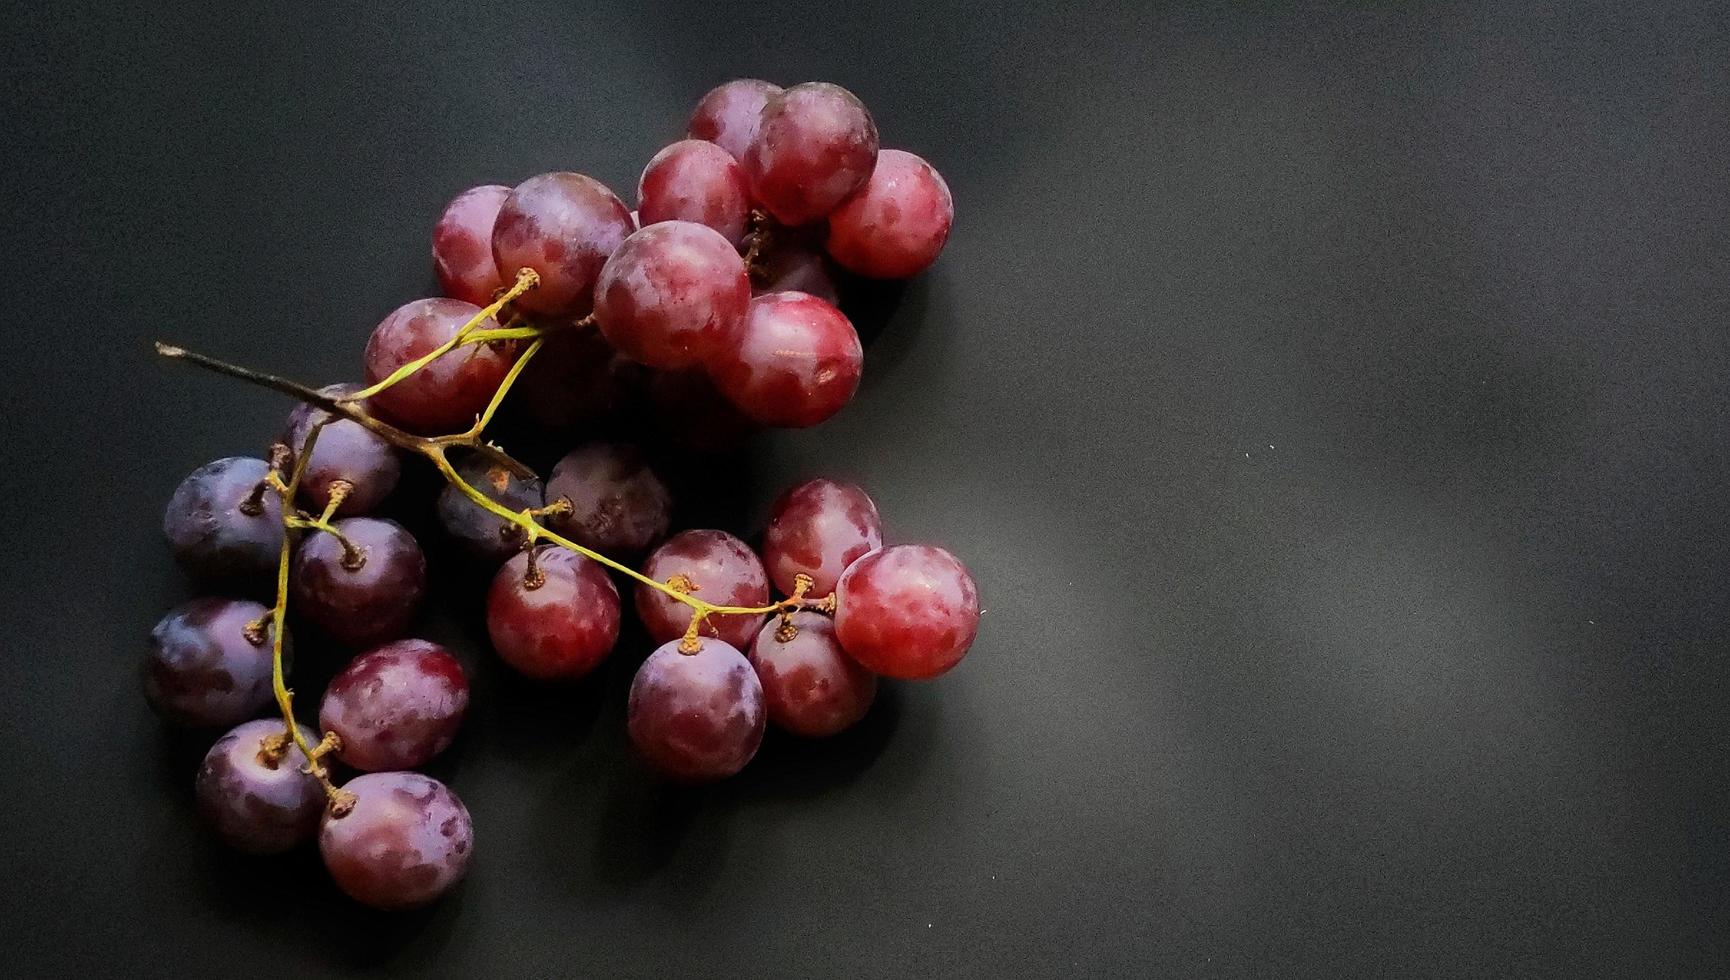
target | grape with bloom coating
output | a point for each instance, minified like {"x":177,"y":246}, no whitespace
{"x":695,"y":180}
{"x":482,"y":533}
{"x":819,"y":527}
{"x":791,"y":267}
{"x":202,"y":670}
{"x":910,"y":611}
{"x":696,"y":717}
{"x":618,"y":504}
{"x":447,"y":394}
{"x":396,"y":706}
{"x":730,"y":113}
{"x":346,"y":450}
{"x":462,"y":245}
{"x":796,"y":363}
{"x":810,"y":686}
{"x":561,"y":628}
{"x":722,"y":570}
{"x":563,"y":226}
{"x":254,"y":805}
{"x":361,"y":606}
{"x":895,"y":225}
{"x":221,"y":526}
{"x":672,"y":295}
{"x":407,"y":840}
{"x":815,"y":145}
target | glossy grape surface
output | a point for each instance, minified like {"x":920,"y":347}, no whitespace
{"x":810,"y":686}
{"x":365,"y":606}
{"x":819,"y":527}
{"x":201,"y":670}
{"x":672,"y":295}
{"x":396,"y":706}
{"x":346,"y":450}
{"x":255,"y":806}
{"x":725,"y":572}
{"x":796,"y":363}
{"x":462,"y":245}
{"x":815,"y":145}
{"x":618,"y":504}
{"x":695,"y":180}
{"x":895,"y":225}
{"x":561,"y":630}
{"x":730,"y":113}
{"x":910,"y":611}
{"x":445,"y":395}
{"x":696,"y":717}
{"x":482,"y":533}
{"x":563,"y":226}
{"x":407,"y":841}
{"x":210,"y":531}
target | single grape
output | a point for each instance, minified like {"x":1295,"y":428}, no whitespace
{"x":202,"y":669}
{"x":672,"y":295}
{"x":396,"y":706}
{"x":724,"y":572}
{"x":815,"y":145}
{"x":797,"y":361}
{"x":618,"y":504}
{"x":447,"y":394}
{"x":819,"y":527}
{"x":363,"y":606}
{"x":695,"y":180}
{"x":254,"y":805}
{"x":406,"y":842}
{"x":691,"y":415}
{"x":810,"y":686}
{"x":729,"y":114}
{"x":791,"y":267}
{"x":346,"y":450}
{"x":895,"y":225}
{"x":222,"y":523}
{"x":696,"y":717}
{"x":577,"y":380}
{"x":562,"y":628}
{"x":462,"y":246}
{"x":563,"y":226}
{"x":910,"y":611}
{"x":482,"y":533}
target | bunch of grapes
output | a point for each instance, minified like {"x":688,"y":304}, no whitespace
{"x":716,"y":297}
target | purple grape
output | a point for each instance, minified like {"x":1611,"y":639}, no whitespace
{"x":256,"y":806}
{"x":618,"y":504}
{"x":346,"y":450}
{"x":696,"y":717}
{"x":202,"y":670}
{"x":462,"y":245}
{"x":563,"y":226}
{"x":406,"y":842}
{"x":221,"y":527}
{"x":894,"y":226}
{"x":725,"y":572}
{"x":819,"y":527}
{"x":482,"y":533}
{"x":815,"y":145}
{"x":362,"y":606}
{"x":448,"y":393}
{"x":796,"y":361}
{"x":673,"y":295}
{"x":792,"y":267}
{"x":910,"y":611}
{"x":396,"y":706}
{"x":730,"y":113}
{"x":810,"y":686}
{"x":695,"y":180}
{"x":562,"y":628}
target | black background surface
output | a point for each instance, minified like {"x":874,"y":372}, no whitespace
{"x":1331,"y":403}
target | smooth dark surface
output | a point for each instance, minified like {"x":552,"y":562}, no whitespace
{"x":1331,"y":402}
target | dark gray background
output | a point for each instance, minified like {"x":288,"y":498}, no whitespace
{"x":1330,"y":401}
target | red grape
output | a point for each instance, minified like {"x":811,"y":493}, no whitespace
{"x":796,"y":363}
{"x":212,"y":527}
{"x":482,"y":533}
{"x":447,"y":394}
{"x":724,"y":572}
{"x":819,"y":527}
{"x":696,"y":717}
{"x":202,"y":670}
{"x":729,"y":114}
{"x":910,"y":611}
{"x":561,"y":629}
{"x":256,"y":806}
{"x":396,"y":706}
{"x":563,"y":226}
{"x":694,"y":180}
{"x":672,"y":295}
{"x":462,"y":246}
{"x":577,"y":379}
{"x":792,"y":267}
{"x":895,"y":225}
{"x":407,"y":841}
{"x":810,"y":686}
{"x":618,"y":504}
{"x":361,"y":606}
{"x":346,"y":450}
{"x":816,"y":144}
